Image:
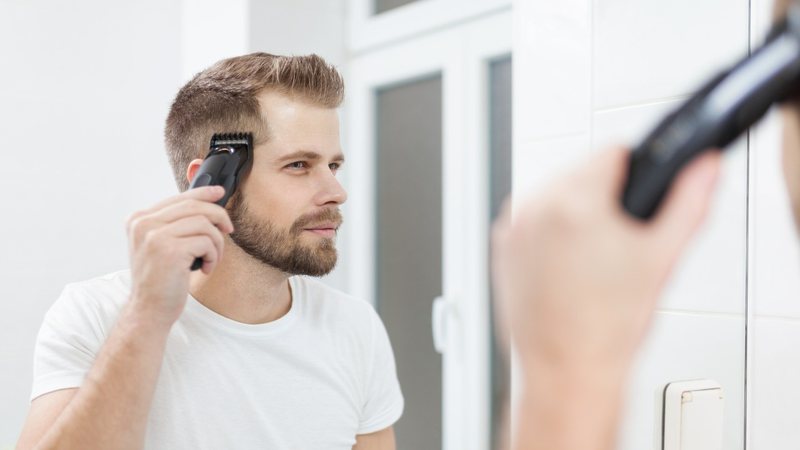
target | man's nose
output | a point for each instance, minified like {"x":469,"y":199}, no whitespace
{"x":331,"y":190}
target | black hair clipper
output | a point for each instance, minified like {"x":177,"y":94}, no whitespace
{"x":228,"y":155}
{"x":715,"y":116}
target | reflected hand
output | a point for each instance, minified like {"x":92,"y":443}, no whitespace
{"x":577,"y":278}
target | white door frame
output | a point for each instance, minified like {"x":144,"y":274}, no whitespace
{"x":367,"y":31}
{"x":461,"y":55}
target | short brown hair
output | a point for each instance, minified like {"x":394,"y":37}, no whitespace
{"x":223,"y":99}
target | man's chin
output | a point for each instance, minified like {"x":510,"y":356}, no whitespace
{"x":320,"y":260}
{"x":312,"y":258}
{"x":317,"y":271}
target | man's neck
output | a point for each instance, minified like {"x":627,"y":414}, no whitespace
{"x":242,"y":288}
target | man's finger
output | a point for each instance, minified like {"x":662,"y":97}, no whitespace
{"x":687,"y":202}
{"x":609,"y":168}
{"x":176,"y":211}
{"x":205,"y":193}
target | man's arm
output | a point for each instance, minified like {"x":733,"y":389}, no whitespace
{"x":43,"y":413}
{"x":110,"y":408}
{"x":569,"y":409}
{"x":379,"y":440}
{"x":577,"y":281}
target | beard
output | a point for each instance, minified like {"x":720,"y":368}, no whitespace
{"x":284,"y":249}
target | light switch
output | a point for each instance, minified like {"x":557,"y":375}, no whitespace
{"x":693,"y":415}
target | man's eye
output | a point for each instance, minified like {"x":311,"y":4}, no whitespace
{"x":335,"y":166}
{"x":298,"y":165}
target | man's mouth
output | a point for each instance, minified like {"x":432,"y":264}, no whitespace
{"x":327,"y":230}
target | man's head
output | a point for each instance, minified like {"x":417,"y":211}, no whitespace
{"x":286,"y":212}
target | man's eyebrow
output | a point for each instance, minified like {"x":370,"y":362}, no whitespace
{"x":307,"y":154}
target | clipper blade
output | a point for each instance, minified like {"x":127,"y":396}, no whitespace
{"x":231,"y":139}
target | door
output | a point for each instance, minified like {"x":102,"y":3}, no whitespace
{"x":428,"y":139}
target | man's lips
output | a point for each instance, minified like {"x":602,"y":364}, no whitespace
{"x":326,"y":229}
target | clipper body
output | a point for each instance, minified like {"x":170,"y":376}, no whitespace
{"x":228,"y":157}
{"x":715,"y":116}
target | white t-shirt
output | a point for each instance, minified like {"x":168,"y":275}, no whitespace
{"x":313,"y":379}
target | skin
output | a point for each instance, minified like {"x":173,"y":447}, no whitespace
{"x":576,"y":340}
{"x":282,"y":186}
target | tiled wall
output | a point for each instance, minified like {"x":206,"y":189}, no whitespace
{"x":589,"y":73}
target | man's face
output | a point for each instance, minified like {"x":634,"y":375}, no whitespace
{"x":286,"y":214}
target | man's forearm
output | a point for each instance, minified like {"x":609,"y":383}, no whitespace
{"x":111,"y":407}
{"x":569,"y":410}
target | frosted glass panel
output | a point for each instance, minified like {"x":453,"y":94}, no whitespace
{"x":381,"y":6}
{"x":409,"y":247}
{"x":500,"y":186}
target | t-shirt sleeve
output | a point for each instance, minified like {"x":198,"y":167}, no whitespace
{"x":67,"y":343}
{"x":384,"y":399}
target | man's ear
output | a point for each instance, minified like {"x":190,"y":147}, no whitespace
{"x":191,"y":171}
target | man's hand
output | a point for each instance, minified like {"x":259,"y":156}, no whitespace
{"x":164,"y":241}
{"x":577,"y":277}
{"x":577,"y":281}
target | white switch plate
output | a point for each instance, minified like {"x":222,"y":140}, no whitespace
{"x":693,"y":415}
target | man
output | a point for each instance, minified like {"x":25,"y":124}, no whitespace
{"x":578,"y":280}
{"x":241,"y":354}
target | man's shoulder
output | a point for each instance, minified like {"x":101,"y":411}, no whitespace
{"x":113,"y":280}
{"x":102,"y":296}
{"x":111,"y":286}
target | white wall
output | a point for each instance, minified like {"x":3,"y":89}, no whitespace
{"x":589,"y":73}
{"x":299,"y":27}
{"x":84,"y":92}
{"x":85,"y":89}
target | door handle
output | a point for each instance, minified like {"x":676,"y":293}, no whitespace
{"x":444,"y":312}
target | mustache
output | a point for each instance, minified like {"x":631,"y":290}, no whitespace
{"x":326,"y":215}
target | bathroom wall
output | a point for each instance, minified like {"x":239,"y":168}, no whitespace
{"x":84,"y":92}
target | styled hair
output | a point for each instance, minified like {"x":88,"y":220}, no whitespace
{"x":223,"y":99}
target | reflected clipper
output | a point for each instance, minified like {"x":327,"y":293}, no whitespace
{"x":228,"y":156}
{"x":715,"y":116}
